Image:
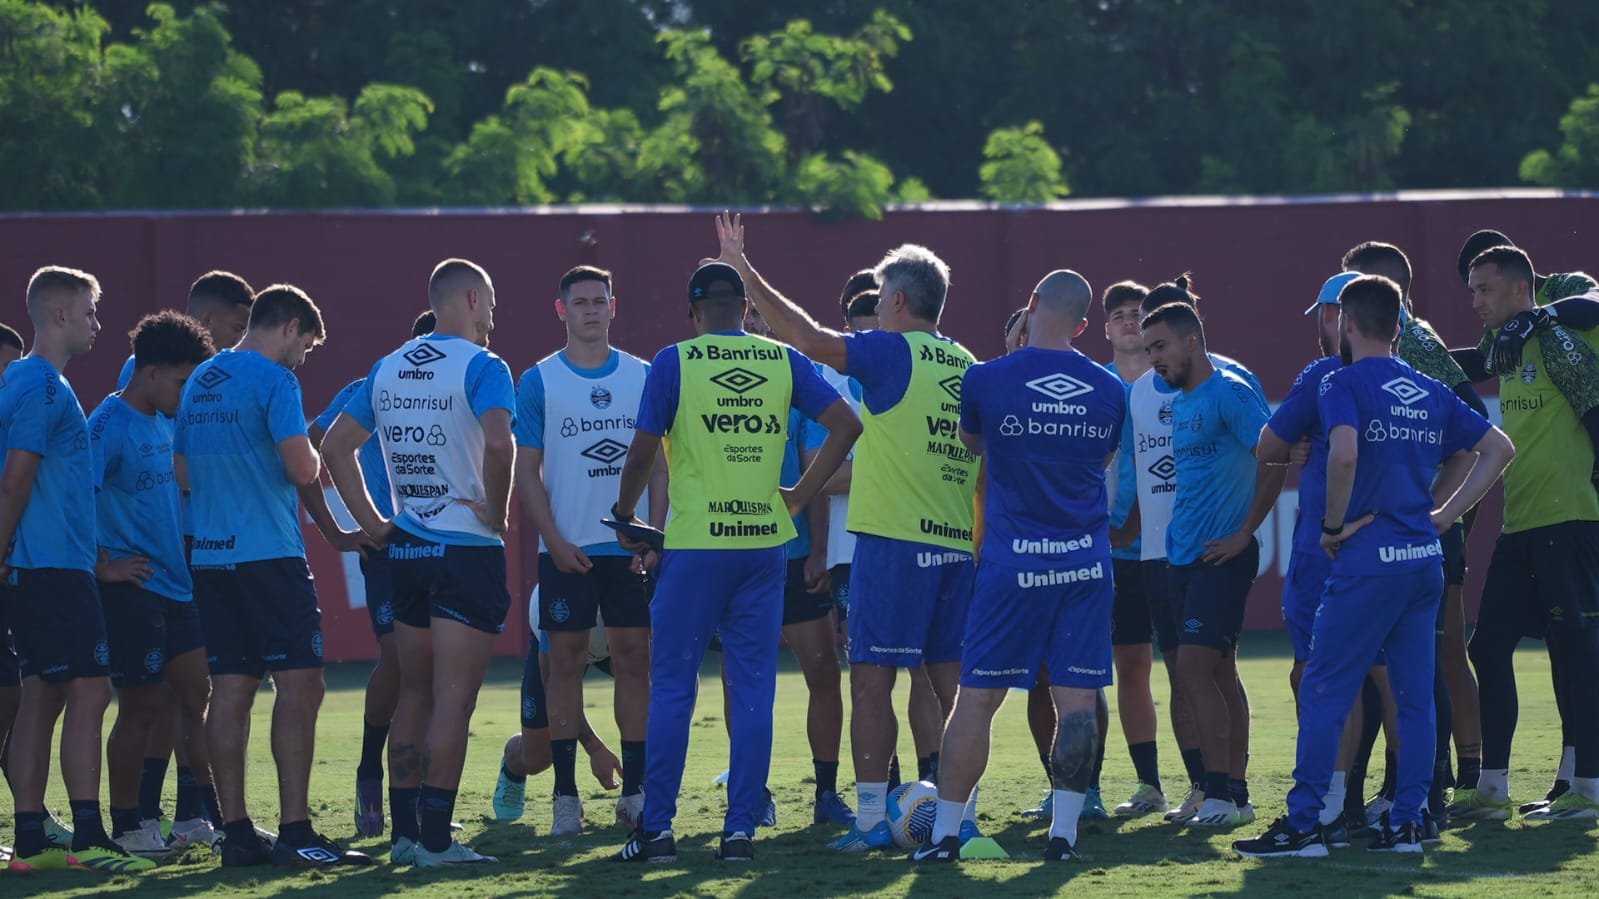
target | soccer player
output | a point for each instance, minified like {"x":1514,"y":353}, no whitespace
{"x":1147,"y":441}
{"x":1048,"y":419}
{"x":53,"y":606}
{"x":242,"y":412}
{"x":146,"y":590}
{"x":574,"y":417}
{"x":383,"y":684}
{"x":220,"y":302}
{"x":442,"y":408}
{"x":1389,"y":427}
{"x":1543,"y":578}
{"x":1210,"y":545}
{"x":911,"y":508}
{"x":11,"y":349}
{"x":721,"y":401}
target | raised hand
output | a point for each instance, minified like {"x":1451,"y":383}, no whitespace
{"x":1505,"y":354}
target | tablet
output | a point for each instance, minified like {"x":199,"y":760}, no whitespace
{"x":654,"y":538}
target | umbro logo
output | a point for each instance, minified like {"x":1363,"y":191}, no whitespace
{"x":738,"y":380}
{"x":952,"y":386}
{"x":423,"y":354}
{"x":1164,"y":468}
{"x":606,"y":451}
{"x":1404,"y":390}
{"x":213,"y":376}
{"x":1059,"y":387}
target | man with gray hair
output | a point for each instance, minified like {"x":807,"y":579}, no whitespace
{"x":911,"y":501}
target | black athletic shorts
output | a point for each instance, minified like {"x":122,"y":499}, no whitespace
{"x":1454,"y":542}
{"x":1543,"y":578}
{"x":145,"y":630}
{"x":569,"y":602}
{"x":1212,"y":598}
{"x":259,"y":616}
{"x":1165,"y":615}
{"x":379,"y":579}
{"x":799,"y":605}
{"x":440,"y":580}
{"x":1129,"y":621}
{"x":535,"y":714}
{"x":56,"y":622}
{"x":840,"y":573}
{"x":10,"y":674}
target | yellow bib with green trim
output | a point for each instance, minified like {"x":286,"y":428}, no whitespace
{"x":913,"y":479}
{"x":725,"y":447}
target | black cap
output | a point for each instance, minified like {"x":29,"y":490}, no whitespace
{"x":715,"y":280}
{"x":1473,"y":247}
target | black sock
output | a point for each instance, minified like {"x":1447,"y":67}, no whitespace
{"x":1216,"y":785}
{"x":563,"y":758}
{"x":1370,"y":728}
{"x":152,"y":782}
{"x":1194,"y":764}
{"x":437,"y":807}
{"x":927,"y":768}
{"x":373,"y":736}
{"x":1470,"y":771}
{"x":241,"y":833}
{"x":1390,"y":774}
{"x":1146,"y":762}
{"x":506,"y":771}
{"x":30,"y":834}
{"x":1099,"y":766}
{"x":633,"y":767}
{"x":296,"y":833}
{"x":893,"y":772}
{"x":190,"y":805}
{"x":88,"y":829}
{"x":402,"y":813}
{"x":1239,"y":791}
{"x":826,"y":777}
{"x":124,"y":820}
{"x":208,"y":801}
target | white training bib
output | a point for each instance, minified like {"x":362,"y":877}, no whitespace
{"x":588,"y":424}
{"x":1155,"y":469}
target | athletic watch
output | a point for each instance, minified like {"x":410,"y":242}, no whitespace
{"x":1331,"y":532}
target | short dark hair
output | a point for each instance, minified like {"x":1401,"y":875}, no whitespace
{"x":424,"y":324}
{"x":861,"y":305}
{"x":1178,"y":290}
{"x":858,"y":283}
{"x":1010,"y":320}
{"x":279,"y":304}
{"x":1473,"y":247}
{"x":1374,"y":254}
{"x":10,"y":337}
{"x":170,"y":338}
{"x":1372,"y":303}
{"x":59,"y":279}
{"x":448,"y":274}
{"x":220,"y":288}
{"x":1179,"y":316}
{"x":1121,"y":293}
{"x":1512,"y":262}
{"x":585,"y":273}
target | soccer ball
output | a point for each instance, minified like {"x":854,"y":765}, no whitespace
{"x":912,"y":807}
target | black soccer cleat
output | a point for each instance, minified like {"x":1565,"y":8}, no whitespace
{"x":654,"y":847}
{"x":318,"y":852}
{"x":736,"y":847}
{"x":1404,"y":838}
{"x":1281,"y":840}
{"x":1060,"y":849}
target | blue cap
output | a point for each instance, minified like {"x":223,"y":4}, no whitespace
{"x":1331,"y":289}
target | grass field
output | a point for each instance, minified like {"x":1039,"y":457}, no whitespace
{"x":1122,"y":858}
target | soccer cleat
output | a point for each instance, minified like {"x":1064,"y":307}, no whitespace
{"x":630,"y":811}
{"x":403,"y":851}
{"x":1216,"y":813}
{"x":969,"y":831}
{"x":567,"y":819}
{"x":1093,"y":806}
{"x":109,"y":858}
{"x":1527,"y":808}
{"x":946,"y":850}
{"x":57,"y":834}
{"x":455,"y":855}
{"x":658,"y":848}
{"x":1430,"y":831}
{"x":145,"y":842}
{"x":1404,"y":838}
{"x":857,"y":840}
{"x":1144,"y":801}
{"x":1473,"y":805}
{"x":1569,"y":807}
{"x":1060,"y":850}
{"x":1190,"y":807}
{"x":319,"y":852}
{"x":1336,"y":834}
{"x":51,"y":859}
{"x":1377,"y":807}
{"x":1246,"y":813}
{"x":1043,"y":811}
{"x":736,"y":847}
{"x":369,"y":806}
{"x":193,"y":832}
{"x":267,"y":837}
{"x":245,"y":854}
{"x":768,"y":814}
{"x":1557,"y":789}
{"x":510,"y":797}
{"x":832,"y":809}
{"x":1281,"y":840}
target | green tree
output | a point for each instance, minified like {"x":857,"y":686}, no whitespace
{"x":1575,"y":162}
{"x":317,"y":152}
{"x":1021,"y":166}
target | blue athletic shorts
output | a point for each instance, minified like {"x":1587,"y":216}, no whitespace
{"x":10,"y":673}
{"x":1212,"y":598}
{"x":145,"y":630}
{"x":440,"y":580}
{"x":379,"y":592}
{"x":56,"y":621}
{"x":1302,"y":590}
{"x":1057,"y":617}
{"x":259,"y":616}
{"x":609,"y":591}
{"x":908,"y":602}
{"x":1164,"y":615}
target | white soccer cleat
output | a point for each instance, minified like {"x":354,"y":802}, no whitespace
{"x":568,"y":817}
{"x":1216,"y":813}
{"x":194,"y":832}
{"x":1146,"y":800}
{"x":145,"y":842}
{"x":630,"y":811}
{"x":1190,"y":807}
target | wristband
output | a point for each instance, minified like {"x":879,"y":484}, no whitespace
{"x":616,"y":514}
{"x":1331,"y":532}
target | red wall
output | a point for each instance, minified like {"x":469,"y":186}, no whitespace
{"x":1257,"y":264}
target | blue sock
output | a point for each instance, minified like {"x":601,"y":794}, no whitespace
{"x":88,"y":829}
{"x":152,"y":782}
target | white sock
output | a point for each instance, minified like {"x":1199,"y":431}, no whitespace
{"x":948,"y":822}
{"x":1586,"y":787}
{"x":1568,"y":764}
{"x":970,"y":812}
{"x":1068,"y":806}
{"x":1333,"y":804}
{"x":1494,"y":784}
{"x":870,"y":801}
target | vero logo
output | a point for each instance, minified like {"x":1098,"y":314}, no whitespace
{"x":1059,"y":387}
{"x":1404,"y":390}
{"x":423,"y":354}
